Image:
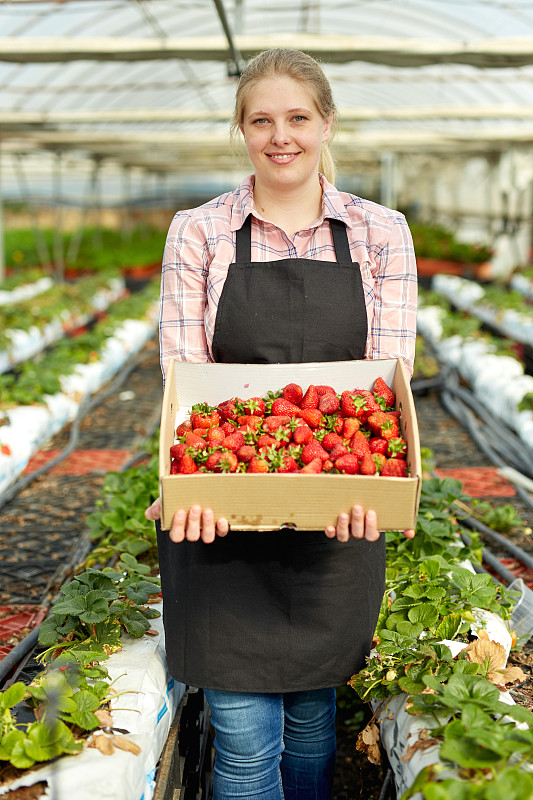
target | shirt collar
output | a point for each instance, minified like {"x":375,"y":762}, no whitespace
{"x":243,"y":205}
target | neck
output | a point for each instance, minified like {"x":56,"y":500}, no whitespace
{"x":293,"y":209}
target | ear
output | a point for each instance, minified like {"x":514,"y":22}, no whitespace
{"x":241,"y":128}
{"x":328,"y":123}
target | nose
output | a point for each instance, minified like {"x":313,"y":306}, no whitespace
{"x":280,"y":134}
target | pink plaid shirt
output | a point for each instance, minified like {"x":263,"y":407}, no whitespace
{"x":201,"y":245}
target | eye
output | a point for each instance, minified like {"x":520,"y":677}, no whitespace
{"x":299,"y":118}
{"x":259,"y":121}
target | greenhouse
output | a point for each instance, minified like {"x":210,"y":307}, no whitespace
{"x":153,"y":218}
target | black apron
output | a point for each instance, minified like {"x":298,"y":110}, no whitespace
{"x":278,"y":611}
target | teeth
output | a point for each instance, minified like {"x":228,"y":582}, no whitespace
{"x":282,"y":157}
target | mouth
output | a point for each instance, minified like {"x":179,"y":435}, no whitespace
{"x":282,"y":158}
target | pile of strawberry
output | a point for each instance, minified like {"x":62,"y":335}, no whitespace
{"x":356,"y":432}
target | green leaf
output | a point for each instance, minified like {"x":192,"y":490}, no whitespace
{"x":448,"y":627}
{"x":137,"y":546}
{"x":409,"y":629}
{"x":510,"y":784}
{"x":85,"y":719}
{"x":86,"y":701}
{"x":13,"y":695}
{"x":466,"y":753}
{"x":426,"y":615}
{"x":134,"y":622}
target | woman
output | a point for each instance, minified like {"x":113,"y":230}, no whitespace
{"x":283,"y":269}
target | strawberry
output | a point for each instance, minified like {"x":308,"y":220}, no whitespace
{"x":330,"y":440}
{"x":266,"y":440}
{"x":327,"y":465}
{"x":329,"y":403}
{"x":215,"y":436}
{"x":250,"y":421}
{"x":257,"y":464}
{"x":359,"y":444}
{"x":255,"y":406}
{"x":283,"y":436}
{"x":351,"y":426}
{"x":338,"y":451}
{"x":175,"y":467}
{"x":234,"y":441}
{"x":271,"y":424}
{"x":192,"y":440}
{"x":381,"y":389}
{"x":228,"y":427}
{"x":200,"y":432}
{"x":177,"y":450}
{"x":281,"y":462}
{"x":396,"y":447}
{"x":321,"y":390}
{"x":378,"y":445}
{"x":367,"y":465}
{"x":394,"y":468}
{"x":313,"y":468}
{"x":360,"y":403}
{"x":348,"y":464}
{"x":246,"y":452}
{"x":313,"y":416}
{"x":313,"y":450}
{"x":383,"y":424}
{"x":293,"y":393}
{"x":379,"y":460}
{"x":310,"y":398}
{"x":187,"y":465}
{"x":204,"y":416}
{"x":227,"y":410}
{"x":281,"y":406}
{"x":302,"y":434}
{"x":222,"y":461}
{"x":183,"y":427}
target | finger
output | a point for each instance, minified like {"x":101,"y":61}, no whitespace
{"x":177,"y":530}
{"x":343,"y":528}
{"x":208,"y":526}
{"x":193,"y":523}
{"x":153,"y":512}
{"x":371,"y":526}
{"x":222,"y":527}
{"x":358,"y":522}
{"x":409,"y":534}
{"x":330,"y":532}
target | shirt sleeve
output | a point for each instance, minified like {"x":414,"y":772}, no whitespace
{"x":183,"y":293}
{"x":393,"y":328}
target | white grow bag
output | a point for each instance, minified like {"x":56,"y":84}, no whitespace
{"x":146,"y":711}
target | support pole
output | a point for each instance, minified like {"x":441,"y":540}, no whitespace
{"x":59,"y":258}
{"x":2,"y":233}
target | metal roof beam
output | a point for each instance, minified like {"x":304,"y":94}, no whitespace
{"x":397,"y":52}
{"x":362,"y":114}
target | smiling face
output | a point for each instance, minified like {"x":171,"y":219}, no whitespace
{"x":284,"y":130}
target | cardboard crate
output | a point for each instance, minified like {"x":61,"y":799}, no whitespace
{"x":270,"y":501}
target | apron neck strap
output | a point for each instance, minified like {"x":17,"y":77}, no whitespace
{"x":243,"y":253}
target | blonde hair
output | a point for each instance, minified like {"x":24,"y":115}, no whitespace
{"x":299,"y":66}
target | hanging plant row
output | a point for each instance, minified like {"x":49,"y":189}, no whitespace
{"x":28,"y":327}
{"x":489,"y":364}
{"x":505,"y":310}
{"x":26,"y":287}
{"x":38,"y":398}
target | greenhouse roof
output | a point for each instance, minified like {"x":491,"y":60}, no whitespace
{"x":150,"y":83}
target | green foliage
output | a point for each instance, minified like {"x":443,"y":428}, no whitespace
{"x":432,"y":241}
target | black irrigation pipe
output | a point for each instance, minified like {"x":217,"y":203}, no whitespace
{"x":492,"y":560}
{"x":15,"y":656}
{"x":467,"y":419}
{"x":87,"y":405}
{"x":498,"y":539}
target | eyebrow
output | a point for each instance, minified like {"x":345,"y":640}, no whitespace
{"x":289,"y":111}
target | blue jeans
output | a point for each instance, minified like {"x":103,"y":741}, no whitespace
{"x":273,"y":746}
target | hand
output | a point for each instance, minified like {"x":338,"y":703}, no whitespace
{"x":195,"y":525}
{"x":359,"y":525}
